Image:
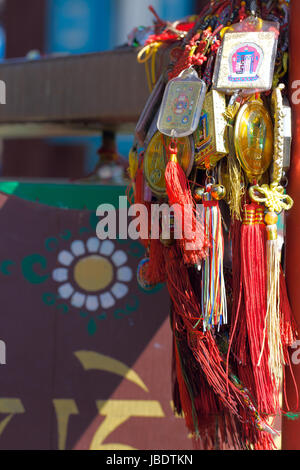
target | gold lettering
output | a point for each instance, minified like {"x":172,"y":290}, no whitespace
{"x":117,"y":412}
{"x":64,"y":409}
{"x":10,"y":406}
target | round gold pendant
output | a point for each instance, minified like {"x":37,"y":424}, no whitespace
{"x":155,"y":160}
{"x":253,"y":139}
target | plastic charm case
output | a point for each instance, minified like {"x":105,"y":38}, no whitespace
{"x":253,"y":139}
{"x":182,"y":105}
{"x":211,"y":136}
{"x":246,"y":58}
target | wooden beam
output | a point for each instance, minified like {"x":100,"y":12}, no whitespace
{"x":42,"y":130}
{"x":81,"y":93}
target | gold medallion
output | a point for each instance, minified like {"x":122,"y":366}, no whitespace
{"x":253,"y":139}
{"x":156,"y":159}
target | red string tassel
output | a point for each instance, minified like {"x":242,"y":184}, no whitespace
{"x":289,"y":329}
{"x":254,"y":285}
{"x":156,"y":272}
{"x":193,"y":242}
{"x":188,"y":321}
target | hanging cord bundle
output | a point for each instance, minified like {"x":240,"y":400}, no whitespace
{"x":202,"y":389}
{"x":254,"y":285}
{"x":214,"y":303}
{"x":272,"y":329}
{"x":156,"y":273}
{"x":278,"y":329}
{"x":223,"y":402}
{"x":236,"y":188}
{"x":274,"y":198}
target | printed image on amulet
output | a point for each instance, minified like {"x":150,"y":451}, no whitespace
{"x":253,"y":139}
{"x":156,"y":159}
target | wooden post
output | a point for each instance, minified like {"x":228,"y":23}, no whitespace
{"x":25,"y":25}
{"x":291,"y":429}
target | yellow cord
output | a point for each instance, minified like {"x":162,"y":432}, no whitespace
{"x":280,"y":72}
{"x":149,"y":52}
{"x":272,"y":196}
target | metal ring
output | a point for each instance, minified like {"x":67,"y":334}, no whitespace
{"x":210,"y":180}
{"x":284,"y":181}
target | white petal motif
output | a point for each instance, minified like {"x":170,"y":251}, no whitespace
{"x":124,"y":274}
{"x":65,"y":291}
{"x":107,"y":248}
{"x":60,"y":275}
{"x":107,"y":300}
{"x":65,"y":258}
{"x":93,"y":245}
{"x":78,"y":248}
{"x":119,"y":258}
{"x":92,"y":303}
{"x":119,"y":290}
{"x":78,"y":300}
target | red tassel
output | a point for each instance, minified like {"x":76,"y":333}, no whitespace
{"x":238,"y":349}
{"x":238,"y":333}
{"x":289,"y":328}
{"x":289,"y":334}
{"x":188,"y":321}
{"x":156,"y":272}
{"x":185,"y":397}
{"x":175,"y":384}
{"x":201,"y":389}
{"x":139,"y":198}
{"x":139,"y":187}
{"x":253,"y":274}
{"x":180,"y":196}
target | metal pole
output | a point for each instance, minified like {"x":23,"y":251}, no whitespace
{"x":291,"y":429}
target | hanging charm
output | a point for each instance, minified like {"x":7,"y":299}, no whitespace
{"x":178,"y":117}
{"x":156,"y":159}
{"x":247,"y":57}
{"x":210,"y":136}
{"x":219,"y":165}
{"x":253,"y":139}
{"x":275,"y":199}
{"x":182,"y":104}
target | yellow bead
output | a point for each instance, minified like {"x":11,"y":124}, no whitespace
{"x":271,"y":218}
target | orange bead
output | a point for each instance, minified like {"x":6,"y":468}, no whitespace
{"x":271,"y":218}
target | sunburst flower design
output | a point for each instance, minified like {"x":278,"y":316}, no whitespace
{"x":92,"y":275}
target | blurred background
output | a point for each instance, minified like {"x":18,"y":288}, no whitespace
{"x":52,"y":27}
